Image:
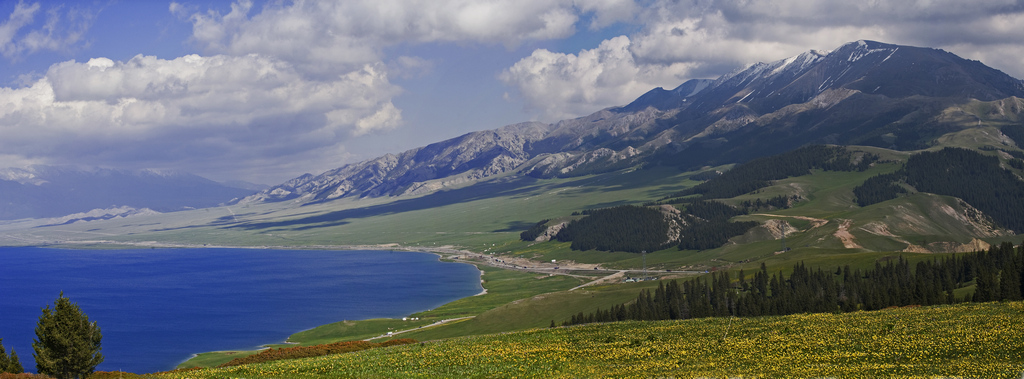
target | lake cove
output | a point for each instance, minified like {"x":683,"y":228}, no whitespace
{"x":156,"y":307}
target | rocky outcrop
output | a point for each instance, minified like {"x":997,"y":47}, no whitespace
{"x":550,"y":232}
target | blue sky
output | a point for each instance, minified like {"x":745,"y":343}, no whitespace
{"x":267,"y":90}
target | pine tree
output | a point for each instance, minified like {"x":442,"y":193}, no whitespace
{"x":14,"y":365}
{"x":67,"y":344}
{"x":985,"y":287}
{"x":9,"y":363}
{"x":5,"y":360}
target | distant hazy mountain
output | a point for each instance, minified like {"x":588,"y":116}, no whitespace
{"x":241,"y":184}
{"x":55,"y":191}
{"x":864,"y":92}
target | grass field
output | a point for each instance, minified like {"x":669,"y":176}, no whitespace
{"x":537,"y":311}
{"x":966,"y":340}
{"x":503,"y":287}
{"x":489,"y":214}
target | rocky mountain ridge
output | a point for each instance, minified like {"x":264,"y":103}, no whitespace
{"x":864,"y":92}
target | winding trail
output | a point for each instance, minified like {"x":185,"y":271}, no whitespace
{"x":392,"y":334}
{"x":815,"y":222}
{"x":614,"y":277}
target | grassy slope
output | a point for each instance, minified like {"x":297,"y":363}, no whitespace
{"x":537,"y":311}
{"x":968,"y":340}
{"x":827,"y":196}
{"x":503,"y":287}
{"x":474,"y":217}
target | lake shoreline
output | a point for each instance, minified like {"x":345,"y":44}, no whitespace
{"x":143,"y":249}
{"x":445,"y":252}
{"x":107,"y":244}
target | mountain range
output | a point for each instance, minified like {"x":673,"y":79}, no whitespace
{"x":55,"y":191}
{"x":862,"y":93}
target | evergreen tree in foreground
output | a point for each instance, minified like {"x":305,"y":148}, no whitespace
{"x":9,"y":363}
{"x":67,"y":344}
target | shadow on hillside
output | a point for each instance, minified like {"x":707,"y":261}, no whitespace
{"x":479,"y":191}
{"x":514,"y":188}
{"x":515,"y":226}
{"x":517,"y":187}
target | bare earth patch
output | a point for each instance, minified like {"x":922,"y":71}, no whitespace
{"x":843,"y":234}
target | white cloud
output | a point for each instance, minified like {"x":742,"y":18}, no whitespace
{"x":568,"y":85}
{"x":321,"y":36}
{"x":742,"y":32}
{"x":292,"y":80}
{"x":63,"y":29}
{"x":295,"y":79}
{"x":192,"y":109}
{"x":608,"y":12}
{"x":22,"y":15}
{"x":682,"y":40}
{"x":325,"y":39}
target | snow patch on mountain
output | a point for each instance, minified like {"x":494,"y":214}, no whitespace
{"x":692,"y":87}
{"x":22,"y":176}
{"x":798,"y":63}
{"x":860,"y":49}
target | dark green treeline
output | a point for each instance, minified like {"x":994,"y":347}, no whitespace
{"x":761,"y":172}
{"x":997,"y":273}
{"x":976,"y":178}
{"x":624,"y":228}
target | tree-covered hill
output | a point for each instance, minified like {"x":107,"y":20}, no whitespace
{"x":976,"y":178}
{"x":628,"y":228}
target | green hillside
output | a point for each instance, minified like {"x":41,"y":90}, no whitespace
{"x":823,"y":227}
{"x":967,"y":340}
{"x":473,"y":217}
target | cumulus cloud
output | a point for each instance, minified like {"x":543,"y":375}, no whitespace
{"x":568,"y":85}
{"x":742,"y":32}
{"x":283,"y":82}
{"x":194,"y":110}
{"x":324,"y":39}
{"x":291,"y":81}
{"x":697,"y":39}
{"x":321,"y":36}
{"x":62,"y":29}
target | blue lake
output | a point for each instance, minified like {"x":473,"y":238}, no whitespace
{"x":156,"y":307}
